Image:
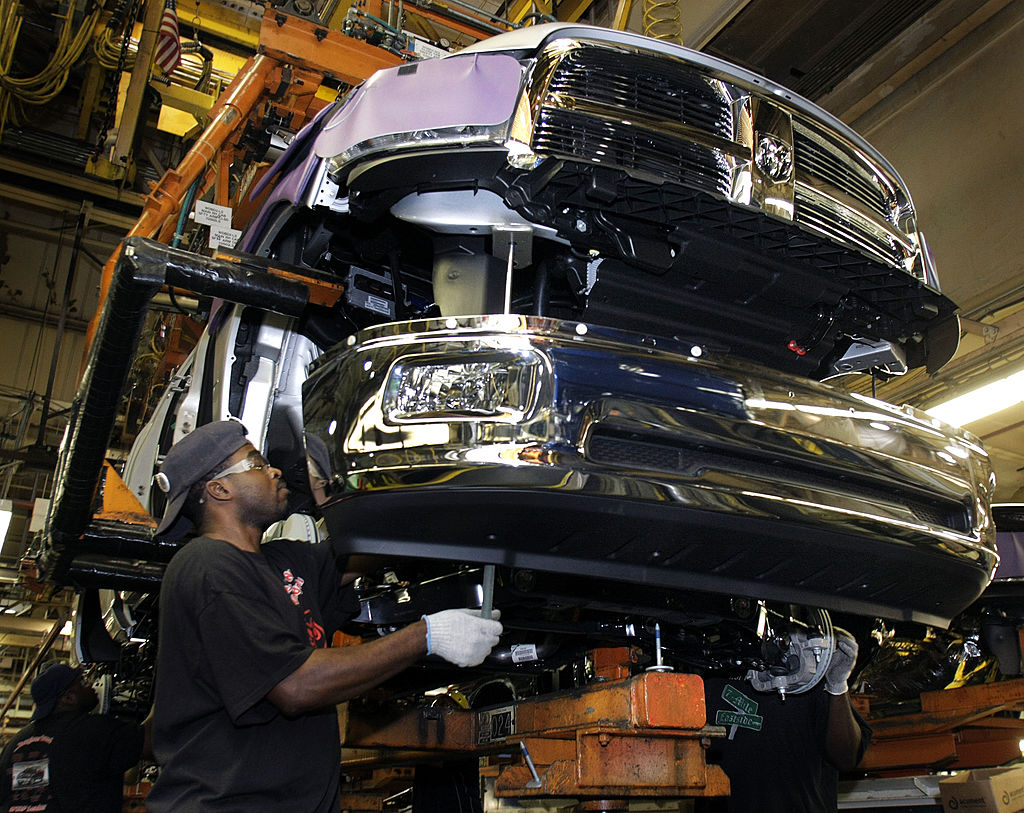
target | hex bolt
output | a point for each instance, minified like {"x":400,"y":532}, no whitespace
{"x":658,"y":665}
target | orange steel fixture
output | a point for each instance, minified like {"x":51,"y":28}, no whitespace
{"x":294,"y":57}
{"x":969,"y":727}
{"x":376,"y":784}
{"x":227,"y":115}
{"x":643,"y":736}
{"x":300,"y":43}
{"x":613,"y":662}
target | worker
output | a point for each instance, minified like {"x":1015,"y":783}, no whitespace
{"x":783,"y":752}
{"x":67,"y":758}
{"x":245,"y":683}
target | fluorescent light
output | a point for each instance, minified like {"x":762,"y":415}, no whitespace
{"x":40,"y":508}
{"x":982,"y":402}
{"x":6,"y":512}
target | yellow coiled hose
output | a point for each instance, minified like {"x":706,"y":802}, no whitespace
{"x":663,"y":20}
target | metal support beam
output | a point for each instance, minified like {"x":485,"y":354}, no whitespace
{"x":570,"y":11}
{"x":191,"y":101}
{"x":622,"y":10}
{"x":49,"y":178}
{"x":130,"y":113}
{"x":300,"y":43}
{"x":51,"y":636}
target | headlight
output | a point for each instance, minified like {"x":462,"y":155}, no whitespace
{"x":500,"y":386}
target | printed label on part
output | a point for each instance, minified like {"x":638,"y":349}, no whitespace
{"x":375,"y":303}
{"x":739,"y":701}
{"x":223,"y":237}
{"x":524,"y":653}
{"x":751,"y":721}
{"x":211,"y":214}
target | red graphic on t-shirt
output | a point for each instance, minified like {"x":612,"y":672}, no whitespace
{"x":293,"y":586}
{"x":314,"y":630}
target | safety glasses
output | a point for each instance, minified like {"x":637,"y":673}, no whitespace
{"x":254,"y":462}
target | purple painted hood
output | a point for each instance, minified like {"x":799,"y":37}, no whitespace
{"x":477,"y":89}
{"x":436,"y":94}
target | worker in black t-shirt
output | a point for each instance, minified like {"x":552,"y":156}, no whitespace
{"x":67,"y":759}
{"x":246,"y":681}
{"x":783,"y":752}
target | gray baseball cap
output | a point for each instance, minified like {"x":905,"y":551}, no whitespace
{"x":195,"y":456}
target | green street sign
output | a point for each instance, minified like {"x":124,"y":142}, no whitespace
{"x":734,"y":718}
{"x":735,"y":698}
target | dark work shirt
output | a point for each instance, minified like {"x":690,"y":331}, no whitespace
{"x":69,"y":761}
{"x":775,"y":753}
{"x":233,"y":625}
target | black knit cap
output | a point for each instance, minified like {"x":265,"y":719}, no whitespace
{"x":49,"y":685}
{"x":192,"y":458}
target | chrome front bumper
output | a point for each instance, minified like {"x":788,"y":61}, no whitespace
{"x":563,"y":447}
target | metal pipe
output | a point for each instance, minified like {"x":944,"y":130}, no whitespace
{"x":481,"y":25}
{"x":487,"y":604}
{"x":44,"y":417}
{"x":131,"y":109}
{"x":51,"y":636}
{"x":494,"y":18}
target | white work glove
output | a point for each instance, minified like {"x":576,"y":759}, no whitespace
{"x":462,"y":637}
{"x":841,"y":665}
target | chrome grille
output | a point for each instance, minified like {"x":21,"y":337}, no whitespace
{"x":662,"y":116}
{"x":652,"y":86}
{"x":814,"y":160}
{"x":565,"y":133}
{"x":829,"y":222}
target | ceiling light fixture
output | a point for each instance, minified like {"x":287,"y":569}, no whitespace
{"x":6,"y":512}
{"x":981,"y":402}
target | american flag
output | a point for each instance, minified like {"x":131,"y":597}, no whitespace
{"x":168,"y":42}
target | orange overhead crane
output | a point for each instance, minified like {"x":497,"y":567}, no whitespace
{"x":295,"y":56}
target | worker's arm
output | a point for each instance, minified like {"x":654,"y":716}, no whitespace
{"x":843,"y":735}
{"x":330,"y":676}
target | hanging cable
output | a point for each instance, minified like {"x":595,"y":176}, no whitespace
{"x":186,"y":207}
{"x":18,"y":91}
{"x":120,"y":26}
